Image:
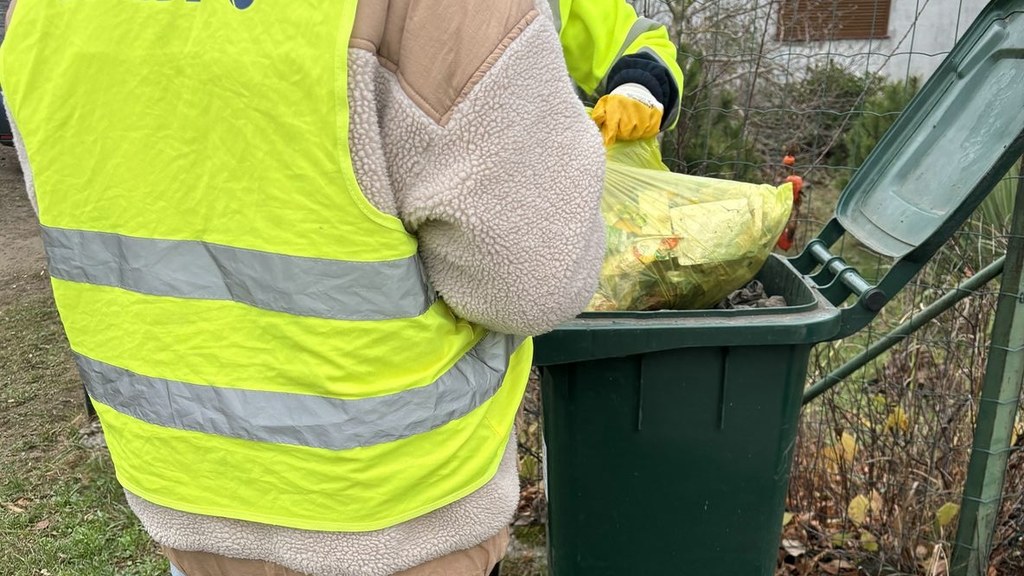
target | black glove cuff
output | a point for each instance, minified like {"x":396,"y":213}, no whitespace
{"x":649,"y":72}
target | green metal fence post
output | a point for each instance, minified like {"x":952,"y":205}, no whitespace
{"x":997,"y":412}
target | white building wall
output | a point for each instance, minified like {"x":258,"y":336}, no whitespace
{"x":921,"y":33}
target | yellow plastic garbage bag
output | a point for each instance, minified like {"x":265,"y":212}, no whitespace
{"x":677,"y":241}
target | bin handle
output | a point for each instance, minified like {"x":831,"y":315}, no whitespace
{"x":837,"y":279}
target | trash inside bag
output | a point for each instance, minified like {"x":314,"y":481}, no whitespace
{"x":679,"y":242}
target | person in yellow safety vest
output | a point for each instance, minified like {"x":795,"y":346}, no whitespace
{"x":629,"y":62}
{"x":298,"y":248}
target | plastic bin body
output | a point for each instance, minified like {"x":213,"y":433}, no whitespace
{"x":680,"y":456}
{"x":699,"y":459}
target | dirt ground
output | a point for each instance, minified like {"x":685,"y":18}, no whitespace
{"x":25,"y":299}
{"x":22,"y":264}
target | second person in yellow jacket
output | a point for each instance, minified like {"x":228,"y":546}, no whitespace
{"x":625,"y":63}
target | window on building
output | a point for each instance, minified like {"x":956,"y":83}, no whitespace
{"x":814,"y":20}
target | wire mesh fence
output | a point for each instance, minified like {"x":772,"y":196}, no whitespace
{"x":881,"y":459}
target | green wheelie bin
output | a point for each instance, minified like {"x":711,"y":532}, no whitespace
{"x":669,"y":435}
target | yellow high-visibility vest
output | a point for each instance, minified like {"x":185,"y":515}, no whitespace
{"x":259,"y":341}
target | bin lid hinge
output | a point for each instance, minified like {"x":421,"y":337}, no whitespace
{"x":836,"y":279}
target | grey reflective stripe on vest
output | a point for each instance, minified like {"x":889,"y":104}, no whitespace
{"x":640,"y":27}
{"x":333,"y":289}
{"x":305,"y":420}
{"x":556,"y":13}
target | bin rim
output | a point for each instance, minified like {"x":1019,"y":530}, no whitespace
{"x":597,"y":335}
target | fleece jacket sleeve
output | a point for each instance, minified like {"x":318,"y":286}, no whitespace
{"x":505,"y":197}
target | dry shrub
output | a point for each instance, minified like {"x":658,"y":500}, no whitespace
{"x":882,"y":458}
{"x":532,"y":504}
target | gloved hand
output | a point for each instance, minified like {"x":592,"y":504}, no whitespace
{"x":629,"y":112}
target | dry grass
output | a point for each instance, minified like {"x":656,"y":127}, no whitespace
{"x":62,"y":512}
{"x":882,"y":459}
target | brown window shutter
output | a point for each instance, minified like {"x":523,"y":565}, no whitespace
{"x":811,"y":20}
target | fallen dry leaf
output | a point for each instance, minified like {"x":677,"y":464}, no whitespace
{"x":945,"y":515}
{"x":868,"y":541}
{"x":13,"y":508}
{"x":839,"y":539}
{"x":858,"y":509}
{"x":843,"y":451}
{"x":835,"y":566}
{"x":41,"y":525}
{"x":794,"y":548}
{"x":897,"y":420}
{"x":877,"y":504}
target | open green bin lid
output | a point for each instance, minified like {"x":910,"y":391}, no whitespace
{"x":951,"y":144}
{"x":949,"y":148}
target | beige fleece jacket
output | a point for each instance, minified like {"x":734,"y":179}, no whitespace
{"x":466,"y":126}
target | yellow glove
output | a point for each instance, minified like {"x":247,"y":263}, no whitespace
{"x":630,"y":112}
